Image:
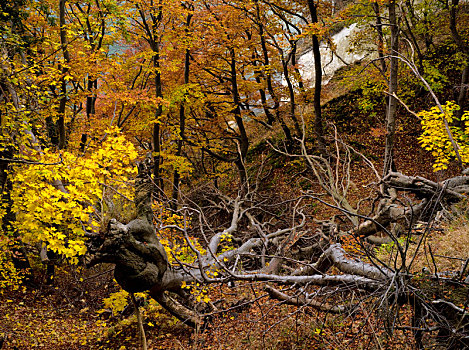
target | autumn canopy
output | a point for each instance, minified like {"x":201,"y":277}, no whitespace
{"x":185,"y":146}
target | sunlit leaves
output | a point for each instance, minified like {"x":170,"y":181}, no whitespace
{"x":55,"y":202}
{"x":435,"y":137}
{"x":173,"y":241}
{"x":116,"y":302}
{"x":10,"y":277}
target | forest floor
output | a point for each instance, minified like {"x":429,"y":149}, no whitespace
{"x":69,"y":314}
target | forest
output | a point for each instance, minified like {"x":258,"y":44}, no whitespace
{"x":234,"y":174}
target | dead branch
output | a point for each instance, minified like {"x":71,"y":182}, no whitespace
{"x":301,"y":300}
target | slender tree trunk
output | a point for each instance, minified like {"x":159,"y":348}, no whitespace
{"x":257,"y":76}
{"x":464,"y":48}
{"x":95,"y":40}
{"x":156,"y":148}
{"x":141,"y":330}
{"x":392,"y":89}
{"x":318,"y":122}
{"x":270,"y":87}
{"x":65,"y":69}
{"x":291,"y":90}
{"x":411,"y":35}
{"x":243,"y":138}
{"x":90,"y":108}
{"x":379,"y":30}
{"x":5,"y":188}
{"x":156,"y":126}
{"x":154,"y":37}
{"x":268,"y":114}
{"x":462,"y":96}
{"x":298,"y":76}
{"x":182,"y":119}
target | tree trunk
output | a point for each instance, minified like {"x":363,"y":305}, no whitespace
{"x":182,"y":120}
{"x":243,"y":138}
{"x":153,"y":38}
{"x":379,"y":30}
{"x":141,"y":330}
{"x":291,"y":90}
{"x":463,"y":89}
{"x":461,"y":99}
{"x":392,"y":89}
{"x":318,"y":122}
{"x":63,"y":85}
{"x":270,"y":87}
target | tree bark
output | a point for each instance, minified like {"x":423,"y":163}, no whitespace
{"x":461,"y":99}
{"x":270,"y":87}
{"x":392,"y":89}
{"x":379,"y":30}
{"x":63,"y":84}
{"x":153,"y":38}
{"x":182,"y":118}
{"x":243,"y":137}
{"x":141,"y":330}
{"x":318,"y":122}
{"x":291,"y":90}
{"x":140,"y":259}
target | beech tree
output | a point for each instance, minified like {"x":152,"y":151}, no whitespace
{"x":166,"y":84}
{"x":142,"y":263}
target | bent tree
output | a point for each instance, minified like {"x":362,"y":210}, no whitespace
{"x":209,"y":98}
{"x":142,"y":263}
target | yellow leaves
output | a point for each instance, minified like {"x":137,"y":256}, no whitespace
{"x":226,"y":242}
{"x":174,"y":243}
{"x":115,"y":157}
{"x":55,"y":203}
{"x":116,"y":301}
{"x":435,"y":138}
{"x":180,"y":164}
{"x":10,"y":277}
{"x":465,"y":117}
{"x":78,"y":247}
{"x":201,"y":294}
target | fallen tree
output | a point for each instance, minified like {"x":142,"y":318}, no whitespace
{"x":141,"y":262}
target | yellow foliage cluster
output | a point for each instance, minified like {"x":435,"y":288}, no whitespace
{"x":116,"y":302}
{"x":435,"y":138}
{"x":178,"y":163}
{"x":201,"y":293}
{"x":172,"y":239}
{"x":226,"y":242}
{"x":177,"y":248}
{"x":10,"y":277}
{"x":54,"y":202}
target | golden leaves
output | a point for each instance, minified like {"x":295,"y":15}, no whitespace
{"x":435,"y":138}
{"x":55,"y":204}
